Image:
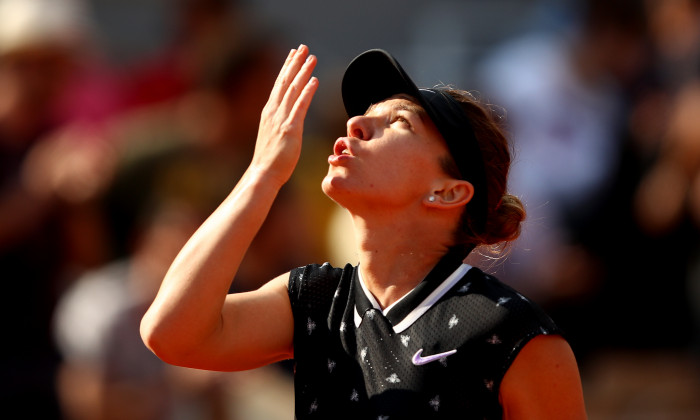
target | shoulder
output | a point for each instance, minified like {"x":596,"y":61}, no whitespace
{"x":543,"y":382}
{"x":517,"y":307}
{"x":510,"y":318}
{"x":313,"y":272}
{"x":505,"y":295}
{"x":316,"y":283}
{"x":316,"y":274}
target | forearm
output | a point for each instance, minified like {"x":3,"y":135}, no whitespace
{"x":187,"y":309}
{"x":187,"y":322}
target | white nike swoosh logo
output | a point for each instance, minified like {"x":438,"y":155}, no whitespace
{"x":418,"y":360}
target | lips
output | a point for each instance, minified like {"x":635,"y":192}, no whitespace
{"x":341,"y":147}
{"x":341,"y":152}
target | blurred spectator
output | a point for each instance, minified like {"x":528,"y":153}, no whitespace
{"x":208,"y":132}
{"x":604,"y":121}
{"x":650,"y":210}
{"x":108,"y":373}
{"x":675,"y":33}
{"x":180,"y":149}
{"x":204,"y":30}
{"x":666,"y":203}
{"x":50,"y":228}
{"x":566,"y":96}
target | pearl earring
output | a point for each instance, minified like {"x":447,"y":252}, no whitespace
{"x":431,"y":199}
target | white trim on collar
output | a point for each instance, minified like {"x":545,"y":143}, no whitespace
{"x":419,"y":310}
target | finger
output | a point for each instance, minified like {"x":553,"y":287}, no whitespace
{"x":274,"y":94}
{"x":302,"y":104}
{"x":289,"y":71}
{"x":300,"y":81}
{"x":289,"y":58}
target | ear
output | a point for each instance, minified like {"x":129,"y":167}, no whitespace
{"x":450,"y":193}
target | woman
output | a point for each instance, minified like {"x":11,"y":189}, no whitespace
{"x":411,"y":332}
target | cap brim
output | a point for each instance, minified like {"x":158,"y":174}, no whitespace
{"x":371,"y":77}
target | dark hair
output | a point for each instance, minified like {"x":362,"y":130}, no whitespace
{"x":505,"y":211}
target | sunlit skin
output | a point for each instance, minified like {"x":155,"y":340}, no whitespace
{"x":388,"y":159}
{"x":383,"y":172}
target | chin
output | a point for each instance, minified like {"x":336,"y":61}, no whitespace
{"x":329,"y":186}
{"x":336,"y":189}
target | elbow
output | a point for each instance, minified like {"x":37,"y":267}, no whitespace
{"x":149,"y":334}
{"x":168,"y":341}
{"x":157,"y":340}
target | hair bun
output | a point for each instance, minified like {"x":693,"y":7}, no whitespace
{"x":504,"y":222}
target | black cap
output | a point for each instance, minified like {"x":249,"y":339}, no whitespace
{"x":375,"y":75}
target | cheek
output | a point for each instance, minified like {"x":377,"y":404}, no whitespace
{"x":380,"y":185}
{"x":403,"y":182}
{"x":419,"y":169}
{"x":400,"y":177}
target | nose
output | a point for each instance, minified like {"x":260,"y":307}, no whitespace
{"x":359,"y":127}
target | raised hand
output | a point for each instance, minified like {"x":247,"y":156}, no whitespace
{"x":193,"y":320}
{"x":281,"y":128}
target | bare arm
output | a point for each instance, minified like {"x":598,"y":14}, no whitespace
{"x":192,"y":321}
{"x":543,"y":383}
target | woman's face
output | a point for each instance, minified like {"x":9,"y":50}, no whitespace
{"x":389,"y":159}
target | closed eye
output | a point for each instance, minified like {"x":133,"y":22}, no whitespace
{"x":401,"y":120}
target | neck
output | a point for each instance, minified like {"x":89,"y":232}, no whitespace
{"x":396,"y":255}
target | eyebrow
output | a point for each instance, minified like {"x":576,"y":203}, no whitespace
{"x":409,"y":106}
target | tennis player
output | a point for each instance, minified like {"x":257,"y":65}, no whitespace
{"x":411,"y":331}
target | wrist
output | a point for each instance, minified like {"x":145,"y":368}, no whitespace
{"x":263,"y":178}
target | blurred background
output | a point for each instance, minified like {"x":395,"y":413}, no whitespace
{"x":123,"y":123}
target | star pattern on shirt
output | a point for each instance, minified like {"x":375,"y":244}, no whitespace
{"x":435,"y":403}
{"x":310,"y":326}
{"x":383,"y":356}
{"x":453,"y":322}
{"x":314,"y":406}
{"x":393,"y":378}
{"x":363,"y":354}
